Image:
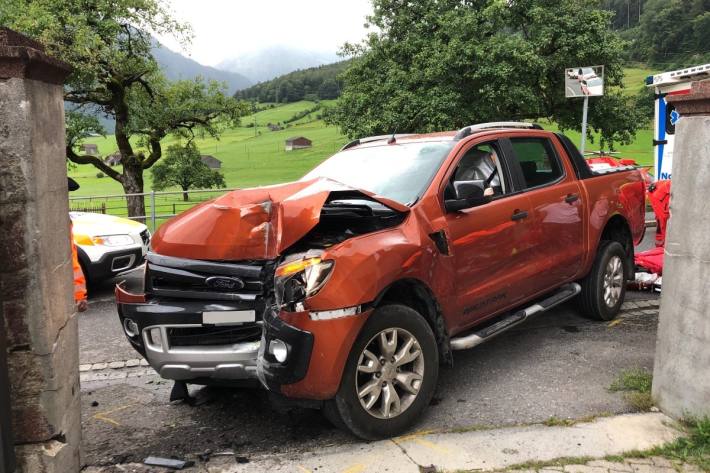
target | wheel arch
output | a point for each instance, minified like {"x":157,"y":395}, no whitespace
{"x":416,"y":295}
{"x":617,"y":229}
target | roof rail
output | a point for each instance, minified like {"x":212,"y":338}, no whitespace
{"x":370,"y":139}
{"x":464,"y":132}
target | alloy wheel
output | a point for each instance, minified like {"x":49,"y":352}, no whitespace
{"x":613,"y":280}
{"x":389,"y":373}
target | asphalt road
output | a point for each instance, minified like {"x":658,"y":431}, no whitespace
{"x":557,"y":365}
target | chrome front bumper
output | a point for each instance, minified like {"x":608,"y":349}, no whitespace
{"x":225,"y":362}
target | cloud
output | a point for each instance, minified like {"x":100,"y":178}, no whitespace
{"x":225,"y":29}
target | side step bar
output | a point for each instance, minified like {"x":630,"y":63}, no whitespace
{"x":566,"y":292}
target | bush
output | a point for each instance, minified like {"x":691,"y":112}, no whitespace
{"x":302,"y":114}
{"x":100,"y":175}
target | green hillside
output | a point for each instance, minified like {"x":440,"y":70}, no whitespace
{"x":315,"y":82}
{"x":634,"y":78}
{"x":247,"y":160}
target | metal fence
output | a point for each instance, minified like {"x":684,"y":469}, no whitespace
{"x":159,"y":206}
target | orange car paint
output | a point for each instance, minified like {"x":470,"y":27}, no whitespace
{"x":328,"y":357}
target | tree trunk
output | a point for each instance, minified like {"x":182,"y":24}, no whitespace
{"x":133,"y":184}
{"x":185,"y":196}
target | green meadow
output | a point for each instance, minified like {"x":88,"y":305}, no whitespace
{"x":250,"y":155}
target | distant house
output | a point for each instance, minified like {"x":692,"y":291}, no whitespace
{"x":89,"y":148}
{"x":273,"y":127}
{"x":211,"y":161}
{"x":113,"y":159}
{"x":298,"y":142}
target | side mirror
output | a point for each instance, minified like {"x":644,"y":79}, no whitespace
{"x":467,"y":194}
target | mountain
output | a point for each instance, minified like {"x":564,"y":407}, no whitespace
{"x":176,"y":66}
{"x":314,"y":83}
{"x":275,"y":61}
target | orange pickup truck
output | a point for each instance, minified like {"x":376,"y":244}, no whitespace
{"x":347,"y":289}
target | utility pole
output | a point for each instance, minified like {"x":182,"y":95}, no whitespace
{"x":585,"y":107}
{"x":253,"y":114}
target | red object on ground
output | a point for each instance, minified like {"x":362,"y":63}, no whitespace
{"x":652,"y":260}
{"x":659,"y":195}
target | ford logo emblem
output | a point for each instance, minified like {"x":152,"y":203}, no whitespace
{"x":224,"y":283}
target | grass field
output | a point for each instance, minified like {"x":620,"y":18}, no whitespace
{"x":634,"y":78}
{"x":247,"y":160}
{"x":256,"y":156}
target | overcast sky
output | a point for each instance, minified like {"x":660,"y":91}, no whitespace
{"x":227,"y":28}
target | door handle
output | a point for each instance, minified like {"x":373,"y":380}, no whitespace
{"x":519,"y":215}
{"x":571,"y":198}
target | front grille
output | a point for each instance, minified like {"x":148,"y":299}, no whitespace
{"x":208,"y":280}
{"x":208,"y":336}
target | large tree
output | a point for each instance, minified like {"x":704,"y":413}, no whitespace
{"x":183,"y":167}
{"x":436,"y":65}
{"x":108,"y":42}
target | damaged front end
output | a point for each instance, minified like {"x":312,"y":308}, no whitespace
{"x":227,"y":282}
{"x":198,"y":320}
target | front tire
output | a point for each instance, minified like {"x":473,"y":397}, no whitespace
{"x":604,"y":288}
{"x":390,"y":375}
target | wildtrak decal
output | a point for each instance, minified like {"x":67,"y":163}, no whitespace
{"x":485,"y":302}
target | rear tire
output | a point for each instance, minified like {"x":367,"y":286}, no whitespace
{"x":604,"y":288}
{"x":390,"y":375}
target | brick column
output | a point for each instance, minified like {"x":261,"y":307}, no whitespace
{"x":35,"y":260}
{"x":681,"y":382}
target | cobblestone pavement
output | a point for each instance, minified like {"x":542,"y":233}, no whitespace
{"x":625,"y":465}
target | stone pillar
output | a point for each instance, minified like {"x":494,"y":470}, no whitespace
{"x":681,"y":381}
{"x":36,"y":292}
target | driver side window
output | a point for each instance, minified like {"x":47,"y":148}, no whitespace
{"x":481,"y":162}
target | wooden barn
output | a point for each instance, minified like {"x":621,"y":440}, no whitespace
{"x":90,"y":148}
{"x":211,"y":161}
{"x":298,"y":142}
{"x":113,"y":159}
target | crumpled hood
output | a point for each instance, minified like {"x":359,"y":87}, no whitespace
{"x":258,"y":223}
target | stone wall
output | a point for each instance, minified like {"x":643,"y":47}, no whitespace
{"x":35,"y":259}
{"x":681,"y":382}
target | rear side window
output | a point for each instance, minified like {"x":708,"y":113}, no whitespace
{"x":538,"y":161}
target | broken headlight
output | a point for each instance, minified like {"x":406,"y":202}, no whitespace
{"x":297,"y":280}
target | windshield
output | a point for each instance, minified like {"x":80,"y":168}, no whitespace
{"x":400,"y":172}
{"x":594,"y":82}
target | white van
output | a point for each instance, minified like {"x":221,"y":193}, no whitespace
{"x":665,"y":84}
